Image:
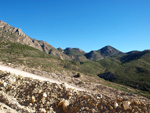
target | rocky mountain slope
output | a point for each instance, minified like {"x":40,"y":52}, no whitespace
{"x":9,"y":33}
{"x":12,"y":34}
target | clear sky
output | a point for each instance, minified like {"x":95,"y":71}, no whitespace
{"x":86,"y":24}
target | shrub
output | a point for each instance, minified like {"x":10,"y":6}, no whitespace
{"x":78,"y":75}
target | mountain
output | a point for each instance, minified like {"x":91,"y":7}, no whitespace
{"x":12,"y":34}
{"x":93,"y":55}
{"x":80,"y":55}
{"x":108,"y":51}
{"x":76,"y":54}
{"x":102,"y":53}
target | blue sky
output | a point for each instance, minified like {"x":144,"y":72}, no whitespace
{"x":85,"y":24}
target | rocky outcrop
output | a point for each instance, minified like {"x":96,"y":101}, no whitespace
{"x":9,"y":33}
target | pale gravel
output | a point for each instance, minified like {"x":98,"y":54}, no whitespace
{"x":30,"y":75}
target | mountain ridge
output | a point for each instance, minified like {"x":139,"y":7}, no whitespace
{"x":13,"y":34}
{"x":108,"y":51}
{"x":16,"y":35}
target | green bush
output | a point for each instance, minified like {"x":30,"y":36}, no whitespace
{"x":78,"y":75}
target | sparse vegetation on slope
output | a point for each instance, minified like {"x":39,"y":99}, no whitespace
{"x":132,"y":70}
{"x":134,"y":73}
{"x":26,"y":55}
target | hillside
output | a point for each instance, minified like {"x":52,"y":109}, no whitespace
{"x":17,"y":53}
{"x":22,"y":54}
{"x":102,"y":53}
{"x":131,"y":69}
{"x":110,"y":64}
{"x":12,"y":34}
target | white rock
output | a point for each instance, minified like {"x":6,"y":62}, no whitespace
{"x":126,"y":105}
{"x":101,"y":96}
{"x":12,"y":80}
{"x":115,"y":105}
{"x":66,"y":102}
{"x":42,"y":110}
{"x":5,"y":84}
{"x":44,"y":95}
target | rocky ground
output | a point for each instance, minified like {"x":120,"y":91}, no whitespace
{"x":27,"y":95}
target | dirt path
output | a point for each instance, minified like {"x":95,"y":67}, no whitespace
{"x":26,"y":74}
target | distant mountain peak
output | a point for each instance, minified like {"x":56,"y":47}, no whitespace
{"x":108,"y":51}
{"x":75,"y":49}
{"x":108,"y":47}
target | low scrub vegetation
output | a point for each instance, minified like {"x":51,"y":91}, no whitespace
{"x":123,"y":69}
